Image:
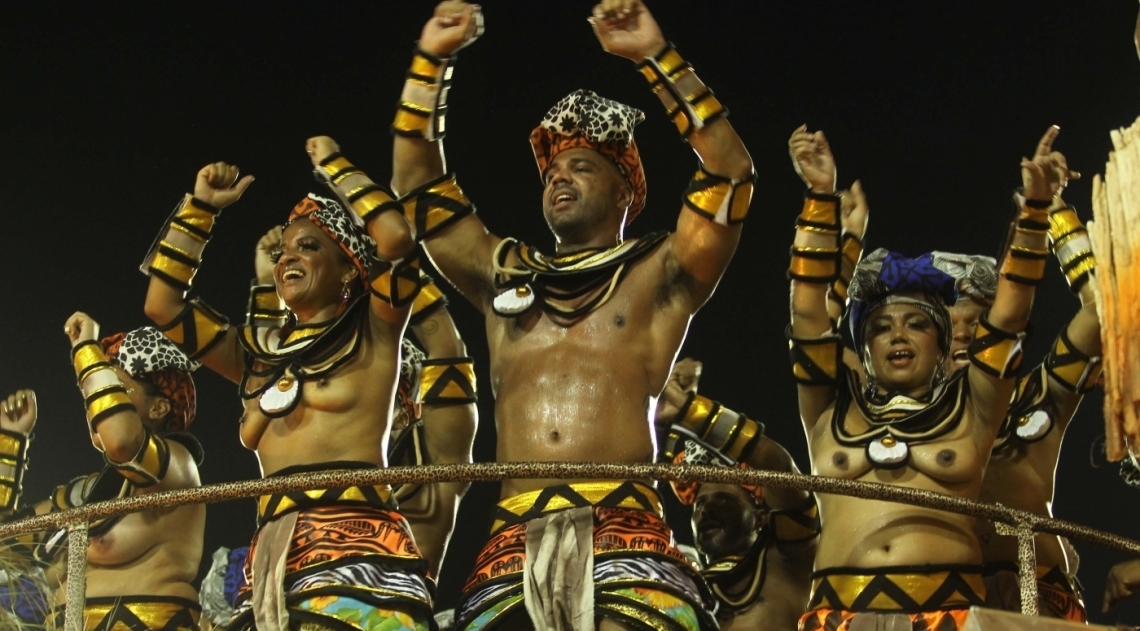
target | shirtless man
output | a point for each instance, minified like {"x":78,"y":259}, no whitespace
{"x":317,"y":362}
{"x":910,"y":426}
{"x":757,"y":545}
{"x":581,"y":342}
{"x":140,"y":400}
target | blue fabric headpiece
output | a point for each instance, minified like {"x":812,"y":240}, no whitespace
{"x":884,"y":277}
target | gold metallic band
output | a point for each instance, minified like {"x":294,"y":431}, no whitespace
{"x":149,"y":465}
{"x":718,"y":198}
{"x":13,"y":464}
{"x":447,"y":381}
{"x":1076,"y":371}
{"x":815,"y":361}
{"x":814,"y":265}
{"x":197,"y":329}
{"x":427,"y":300}
{"x":435,"y":205}
{"x":371,"y":200}
{"x":996,"y":352}
{"x":687,"y":100}
{"x":423,"y":105}
{"x":86,"y":357}
{"x":1024,"y":265}
{"x":398,"y":282}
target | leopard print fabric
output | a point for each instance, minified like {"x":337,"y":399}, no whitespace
{"x":146,"y":354}
{"x":584,"y":119}
{"x":344,"y":228}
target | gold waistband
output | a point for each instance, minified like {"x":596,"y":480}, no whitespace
{"x":273,"y":506}
{"x":156,"y":612}
{"x":908,"y":590}
{"x":617,"y":494}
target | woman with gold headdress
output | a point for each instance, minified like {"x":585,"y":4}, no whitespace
{"x":317,"y":362}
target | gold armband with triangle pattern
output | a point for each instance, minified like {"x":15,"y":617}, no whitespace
{"x":447,"y":381}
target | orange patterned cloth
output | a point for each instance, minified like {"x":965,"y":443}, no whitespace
{"x":837,"y":620}
{"x":686,"y":492}
{"x":585,"y":120}
{"x":175,"y":384}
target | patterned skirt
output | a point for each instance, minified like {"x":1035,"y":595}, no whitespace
{"x":640,"y":578}
{"x":347,"y":561}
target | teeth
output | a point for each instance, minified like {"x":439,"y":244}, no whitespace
{"x":291,"y":274}
{"x":959,"y":355}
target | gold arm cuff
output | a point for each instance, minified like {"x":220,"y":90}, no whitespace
{"x":821,"y":211}
{"x":424,"y":67}
{"x":743,"y":438}
{"x":1024,"y":265}
{"x":197,"y":329}
{"x":150,"y":464}
{"x":815,"y":361}
{"x":197,"y":214}
{"x":411,"y":124}
{"x":332,"y":167}
{"x":87,"y":357}
{"x":699,"y":415}
{"x":1076,"y":371}
{"x":814,"y":265}
{"x":435,"y":205}
{"x":172,"y":268}
{"x":997,"y":353}
{"x":428,"y":298}
{"x":106,"y":403}
{"x":447,"y":381}
{"x":372,"y":200}
{"x":398,"y":283}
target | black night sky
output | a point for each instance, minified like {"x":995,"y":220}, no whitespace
{"x":109,"y":109}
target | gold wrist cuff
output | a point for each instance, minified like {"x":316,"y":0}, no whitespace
{"x":423,"y":105}
{"x":13,"y":464}
{"x":87,"y":357}
{"x":1072,"y":246}
{"x":687,"y":100}
{"x":336,"y":168}
{"x":820,"y":212}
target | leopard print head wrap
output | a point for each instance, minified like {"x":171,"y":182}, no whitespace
{"x":344,"y":228}
{"x":584,"y":119}
{"x":694,"y":453}
{"x":148,"y":355}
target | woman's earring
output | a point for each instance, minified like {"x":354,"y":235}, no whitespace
{"x":345,"y":292}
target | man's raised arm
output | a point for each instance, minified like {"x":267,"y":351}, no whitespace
{"x":440,"y":214}
{"x":719,"y":194}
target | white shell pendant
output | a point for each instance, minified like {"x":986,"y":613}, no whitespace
{"x":1034,"y":426}
{"x":281,"y":396}
{"x":514,"y":301}
{"x":888,"y":450}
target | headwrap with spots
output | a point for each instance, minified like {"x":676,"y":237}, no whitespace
{"x":584,"y":119}
{"x":149,"y":355}
{"x":695,"y":453}
{"x":976,"y":275}
{"x":344,"y":228}
{"x":884,"y":278}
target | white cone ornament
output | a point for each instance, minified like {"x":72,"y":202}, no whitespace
{"x":888,"y":450}
{"x":1034,"y":426}
{"x":514,"y":301}
{"x":281,"y":397}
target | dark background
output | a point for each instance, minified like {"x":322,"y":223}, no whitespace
{"x":110,"y":109}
